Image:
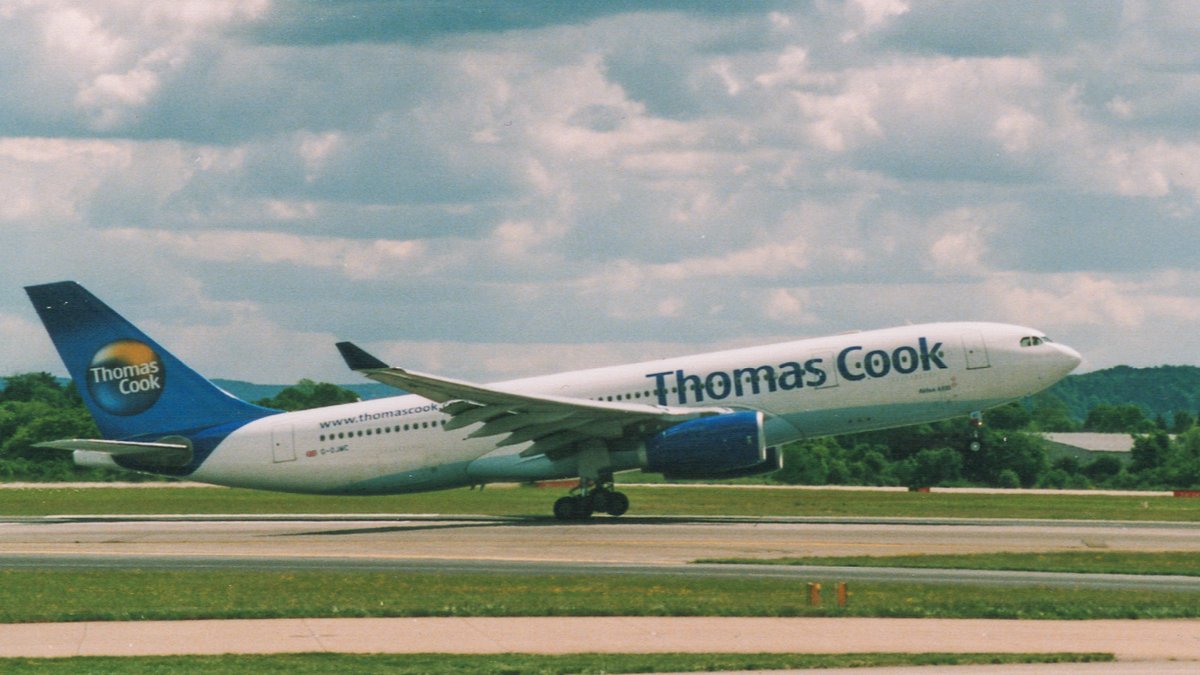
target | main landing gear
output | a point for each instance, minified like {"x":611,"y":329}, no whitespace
{"x":592,"y":498}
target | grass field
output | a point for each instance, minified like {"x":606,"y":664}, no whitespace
{"x":123,"y":595}
{"x":1080,"y":562}
{"x":420,"y":664}
{"x":527,"y":501}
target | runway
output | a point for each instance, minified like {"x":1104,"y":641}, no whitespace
{"x":658,"y":545}
{"x":662,"y":540}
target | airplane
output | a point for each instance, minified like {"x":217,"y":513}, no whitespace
{"x":717,"y":415}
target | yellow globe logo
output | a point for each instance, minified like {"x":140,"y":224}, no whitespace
{"x":125,"y":377}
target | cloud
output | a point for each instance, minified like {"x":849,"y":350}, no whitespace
{"x":1090,"y":300}
{"x":88,"y":68}
{"x":602,"y":179}
{"x":355,"y":259}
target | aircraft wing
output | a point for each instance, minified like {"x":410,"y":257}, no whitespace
{"x":555,"y":425}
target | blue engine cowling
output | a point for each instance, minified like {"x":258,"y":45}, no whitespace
{"x":722,"y":446}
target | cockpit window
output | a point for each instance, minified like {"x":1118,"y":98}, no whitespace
{"x":1033,"y":341}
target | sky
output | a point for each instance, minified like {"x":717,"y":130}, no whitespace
{"x":494,"y":190}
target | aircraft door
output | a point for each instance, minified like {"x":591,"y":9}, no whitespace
{"x":976,"y":351}
{"x":283,"y":444}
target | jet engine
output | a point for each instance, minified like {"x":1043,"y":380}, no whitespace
{"x":722,"y":446}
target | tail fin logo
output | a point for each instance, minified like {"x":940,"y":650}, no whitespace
{"x":125,"y":377}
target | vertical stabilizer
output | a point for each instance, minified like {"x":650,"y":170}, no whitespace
{"x":133,"y":387}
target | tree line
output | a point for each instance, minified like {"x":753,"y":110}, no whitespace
{"x":1011,"y":452}
{"x":36,"y":407}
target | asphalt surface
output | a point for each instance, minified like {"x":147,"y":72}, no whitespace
{"x":658,"y":546}
{"x":644,"y":540}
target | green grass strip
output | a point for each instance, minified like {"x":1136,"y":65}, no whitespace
{"x":128,"y":595}
{"x":528,"y":501}
{"x":403,"y":664}
{"x":1080,"y":562}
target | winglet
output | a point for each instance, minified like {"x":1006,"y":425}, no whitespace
{"x":358,"y":359}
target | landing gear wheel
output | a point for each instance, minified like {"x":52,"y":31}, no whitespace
{"x":616,"y":504}
{"x":573,"y":508}
{"x":564,"y":508}
{"x":583,"y":508}
{"x":606,"y":500}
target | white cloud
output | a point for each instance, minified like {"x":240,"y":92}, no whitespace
{"x":959,"y":242}
{"x":1088,"y":299}
{"x":315,"y":150}
{"x":1150,"y":168}
{"x":116,"y":56}
{"x":81,"y":39}
{"x":790,"y":306}
{"x":503,"y":361}
{"x":269,"y":353}
{"x":43,"y":181}
{"x":355,"y":259}
{"x":36,"y":352}
{"x":870,"y":15}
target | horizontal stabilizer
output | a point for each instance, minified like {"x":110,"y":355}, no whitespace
{"x":115,"y":448}
{"x":138,"y":456}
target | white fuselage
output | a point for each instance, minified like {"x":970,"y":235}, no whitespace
{"x":817,"y":387}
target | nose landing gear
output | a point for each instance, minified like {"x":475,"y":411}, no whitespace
{"x":975,"y":444}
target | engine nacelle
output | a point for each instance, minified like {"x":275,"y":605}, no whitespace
{"x":722,"y":446}
{"x":773,"y":462}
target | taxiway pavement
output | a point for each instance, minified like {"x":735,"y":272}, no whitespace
{"x":1129,"y":640}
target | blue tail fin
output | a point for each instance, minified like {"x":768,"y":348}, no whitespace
{"x":134,"y":388}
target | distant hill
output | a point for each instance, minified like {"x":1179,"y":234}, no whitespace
{"x":1159,"y":391}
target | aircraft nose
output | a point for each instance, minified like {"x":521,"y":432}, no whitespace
{"x":1069,"y":357}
